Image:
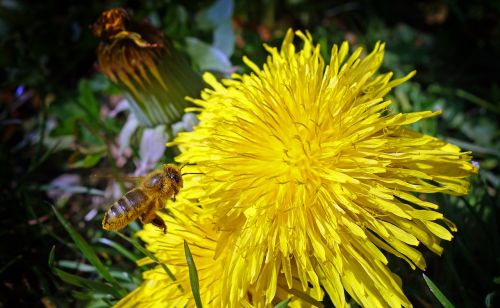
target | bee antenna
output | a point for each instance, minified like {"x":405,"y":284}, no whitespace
{"x":193,"y":173}
{"x":185,"y":164}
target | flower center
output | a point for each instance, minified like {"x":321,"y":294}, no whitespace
{"x":297,"y":159}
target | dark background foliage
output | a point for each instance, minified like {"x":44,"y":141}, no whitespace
{"x":49,"y":78}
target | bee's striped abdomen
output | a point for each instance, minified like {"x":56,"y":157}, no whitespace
{"x":126,"y":209}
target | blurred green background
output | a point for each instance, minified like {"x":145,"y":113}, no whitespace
{"x":56,"y":135}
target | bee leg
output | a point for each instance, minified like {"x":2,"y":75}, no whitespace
{"x":150,"y":217}
{"x":158,"y":222}
{"x":173,"y":198}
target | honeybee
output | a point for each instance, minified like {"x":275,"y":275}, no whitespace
{"x":142,"y":202}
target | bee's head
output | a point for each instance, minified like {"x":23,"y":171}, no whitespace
{"x":174,"y":174}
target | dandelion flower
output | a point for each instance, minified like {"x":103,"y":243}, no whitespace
{"x":158,"y":288}
{"x":309,"y":177}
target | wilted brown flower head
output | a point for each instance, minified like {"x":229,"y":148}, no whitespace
{"x":127,"y":47}
{"x":137,"y":56}
{"x":110,"y":23}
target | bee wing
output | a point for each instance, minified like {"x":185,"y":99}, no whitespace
{"x":131,"y":178}
{"x":117,"y":177}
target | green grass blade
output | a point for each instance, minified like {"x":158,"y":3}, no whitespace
{"x":89,"y":253}
{"x":77,"y":266}
{"x":92,"y":299}
{"x":437,"y":293}
{"x":119,"y":248}
{"x":71,"y":189}
{"x":83,"y":296}
{"x":473,"y":147}
{"x":148,"y":254}
{"x":78,"y":281}
{"x":477,"y":100}
{"x":125,"y":278}
{"x":489,"y":299}
{"x":10,"y":262}
{"x":283,"y":303}
{"x":51,"y":255}
{"x":193,"y":276}
{"x":303,"y":296}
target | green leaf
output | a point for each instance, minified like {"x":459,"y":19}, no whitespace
{"x":283,"y":303}
{"x":89,"y":253}
{"x":88,"y":162}
{"x":193,"y":276}
{"x":100,"y":83}
{"x":210,"y":18}
{"x":488,"y":300}
{"x":87,"y":99}
{"x":206,"y":57}
{"x":437,"y":293}
{"x":224,"y":37}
